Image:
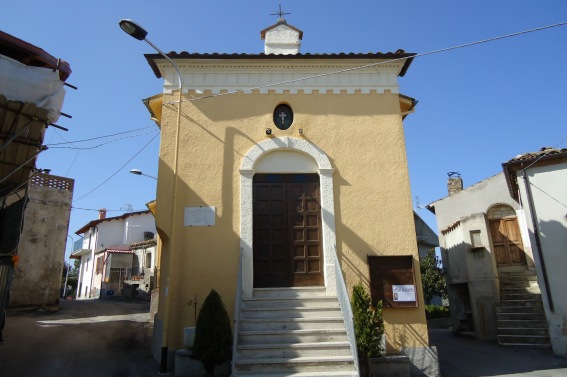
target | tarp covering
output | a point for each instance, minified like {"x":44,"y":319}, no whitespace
{"x":42,"y":86}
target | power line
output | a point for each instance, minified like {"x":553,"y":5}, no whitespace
{"x":99,"y":137}
{"x":103,"y":144}
{"x":544,"y":154}
{"x":120,"y":168}
{"x":374,"y":64}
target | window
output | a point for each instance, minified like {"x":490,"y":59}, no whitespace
{"x":87,"y":264}
{"x":99,"y":265}
{"x":475,"y":238}
{"x":149,"y":260}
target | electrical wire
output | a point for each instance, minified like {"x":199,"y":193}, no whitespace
{"x":375,"y":64}
{"x":335,"y":73}
{"x":103,"y":144}
{"x":108,"y":210}
{"x":98,"y":137}
{"x":543,"y":155}
{"x":118,"y":170}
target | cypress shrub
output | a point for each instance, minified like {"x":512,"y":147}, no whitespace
{"x":368,"y":325}
{"x":213,"y":335}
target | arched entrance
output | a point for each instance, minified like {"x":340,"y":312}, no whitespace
{"x":290,"y":159}
{"x":506,"y":237}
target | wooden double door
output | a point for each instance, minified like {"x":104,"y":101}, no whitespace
{"x":287,"y":230}
{"x":507,"y":242}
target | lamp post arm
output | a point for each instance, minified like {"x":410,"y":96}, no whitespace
{"x":169,"y":60}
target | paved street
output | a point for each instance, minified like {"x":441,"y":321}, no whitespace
{"x":85,"y":338}
{"x":111,"y":338}
{"x":467,"y":357}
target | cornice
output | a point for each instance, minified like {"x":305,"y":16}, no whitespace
{"x":335,"y":77}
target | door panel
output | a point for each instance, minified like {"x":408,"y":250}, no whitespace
{"x":287,"y":230}
{"x":507,"y":242}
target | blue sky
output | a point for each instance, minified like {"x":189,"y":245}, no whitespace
{"x":478,"y":106}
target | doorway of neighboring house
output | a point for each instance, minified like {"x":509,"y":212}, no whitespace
{"x":116,"y":281}
{"x":506,"y":237}
{"x":287,"y":243}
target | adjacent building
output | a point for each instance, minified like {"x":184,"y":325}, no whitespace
{"x":538,"y":181}
{"x":41,"y":251}
{"x":480,"y":233}
{"x":118,"y":256}
{"x":31,"y":98}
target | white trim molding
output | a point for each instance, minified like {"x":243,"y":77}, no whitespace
{"x":294,"y":76}
{"x":311,"y":153}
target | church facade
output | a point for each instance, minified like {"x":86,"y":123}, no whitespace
{"x":285,"y":171}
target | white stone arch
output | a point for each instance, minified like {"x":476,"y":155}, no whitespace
{"x":304,"y":157}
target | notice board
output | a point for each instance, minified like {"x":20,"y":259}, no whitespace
{"x":392,"y":280}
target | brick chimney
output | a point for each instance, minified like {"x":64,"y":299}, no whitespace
{"x":102,"y":213}
{"x":454,"y":183}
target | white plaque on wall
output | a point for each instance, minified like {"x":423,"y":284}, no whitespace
{"x":404,"y":292}
{"x":199,"y":216}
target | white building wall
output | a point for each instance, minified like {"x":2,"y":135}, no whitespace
{"x":474,"y":199}
{"x":549,"y":198}
{"x":135,"y":226}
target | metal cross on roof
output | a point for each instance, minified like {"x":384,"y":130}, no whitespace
{"x":280,"y":13}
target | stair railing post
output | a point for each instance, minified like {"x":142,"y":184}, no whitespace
{"x":346,"y":308}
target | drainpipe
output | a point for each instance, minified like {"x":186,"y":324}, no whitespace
{"x":537,"y":239}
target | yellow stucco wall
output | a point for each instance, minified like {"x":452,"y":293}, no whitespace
{"x":362,"y":135}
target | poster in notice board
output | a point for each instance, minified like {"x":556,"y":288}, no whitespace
{"x":392,"y":280}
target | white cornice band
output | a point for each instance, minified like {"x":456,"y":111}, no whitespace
{"x":325,"y":77}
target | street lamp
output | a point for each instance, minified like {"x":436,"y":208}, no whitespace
{"x":139,"y":172}
{"x":138,"y":32}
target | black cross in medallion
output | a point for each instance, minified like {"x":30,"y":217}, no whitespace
{"x":282,"y":117}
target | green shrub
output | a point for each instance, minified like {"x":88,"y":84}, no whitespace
{"x":437,"y":311}
{"x":213,"y":336}
{"x":368,"y":325}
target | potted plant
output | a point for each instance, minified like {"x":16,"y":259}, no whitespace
{"x":368,"y":326}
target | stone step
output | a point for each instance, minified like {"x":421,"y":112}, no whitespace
{"x":520,"y":303}
{"x":295,"y":292}
{"x":523,"y":331}
{"x":523,"y":295}
{"x":262,"y":351}
{"x":518,"y":290}
{"x":527,"y":345}
{"x":520,"y":316}
{"x":298,"y":312}
{"x":291,"y":323}
{"x":520,"y":309}
{"x":287,"y":302}
{"x":518,"y":324}
{"x":292,"y":336}
{"x":517,"y":284}
{"x":523,"y":339}
{"x":515,"y":277}
{"x":302,"y":374}
{"x":271,"y":366}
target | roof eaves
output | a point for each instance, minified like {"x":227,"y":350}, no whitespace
{"x":98,"y":221}
{"x":31,"y":55}
{"x":394,"y":56}
{"x":544,"y":156}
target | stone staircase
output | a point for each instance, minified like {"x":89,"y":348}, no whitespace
{"x":520,"y":317}
{"x":296,"y":332}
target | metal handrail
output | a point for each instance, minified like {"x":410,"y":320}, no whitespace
{"x":237,"y":313}
{"x":346,"y":308}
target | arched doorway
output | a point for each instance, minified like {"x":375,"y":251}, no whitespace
{"x":506,"y":236}
{"x":287,"y":157}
